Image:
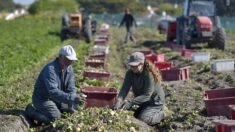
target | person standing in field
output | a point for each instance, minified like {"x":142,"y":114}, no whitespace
{"x":54,"y":90}
{"x":129,"y":22}
{"x":145,"y":81}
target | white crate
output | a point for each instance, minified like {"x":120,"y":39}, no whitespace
{"x":200,"y":57}
{"x":101,"y":49}
{"x":222,"y":65}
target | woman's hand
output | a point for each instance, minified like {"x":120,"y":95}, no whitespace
{"x":118,"y":104}
{"x":127,"y":105}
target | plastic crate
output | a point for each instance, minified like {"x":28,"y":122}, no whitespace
{"x":101,"y":49}
{"x":155,"y":57}
{"x":186,"y":53}
{"x":200,"y":57}
{"x":99,"y":96}
{"x":222,"y":65}
{"x":97,"y":57}
{"x":164,"y":65}
{"x":146,"y":52}
{"x":99,"y":75}
{"x":232,"y":111}
{"x":100,"y":41}
{"x":224,"y":125}
{"x":219,"y":93}
{"x":175,"y":74}
{"x":217,"y":101}
{"x":106,"y":37}
{"x":103,"y":31}
{"x":95,"y":63}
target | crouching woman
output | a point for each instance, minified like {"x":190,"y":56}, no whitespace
{"x":145,"y":81}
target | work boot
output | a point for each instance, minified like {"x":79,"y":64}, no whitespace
{"x":32,"y":114}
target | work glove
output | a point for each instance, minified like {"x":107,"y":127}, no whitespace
{"x":80,"y":98}
{"x":127,"y":105}
{"x":117,"y":105}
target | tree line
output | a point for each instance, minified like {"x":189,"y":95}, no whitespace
{"x":115,"y":6}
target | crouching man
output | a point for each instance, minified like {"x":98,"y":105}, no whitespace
{"x":55,"y":91}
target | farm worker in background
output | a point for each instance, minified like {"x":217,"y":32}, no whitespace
{"x":55,"y":90}
{"x":145,"y":81}
{"x":129,"y":21}
{"x":65,"y":20}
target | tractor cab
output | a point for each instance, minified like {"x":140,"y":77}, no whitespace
{"x":75,"y":20}
{"x":198,"y":24}
{"x":200,"y":8}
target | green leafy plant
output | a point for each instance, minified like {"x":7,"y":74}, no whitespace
{"x":106,"y":120}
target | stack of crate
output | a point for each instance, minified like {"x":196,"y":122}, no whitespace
{"x":97,"y":69}
{"x":221,"y":102}
{"x":166,"y":68}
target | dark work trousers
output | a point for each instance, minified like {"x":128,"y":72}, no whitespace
{"x":49,"y":109}
{"x":129,"y":35}
{"x":52,"y":110}
{"x":150,"y":114}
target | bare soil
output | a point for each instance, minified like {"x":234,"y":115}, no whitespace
{"x":183,"y":98}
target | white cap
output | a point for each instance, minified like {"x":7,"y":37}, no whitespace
{"x":68,"y":52}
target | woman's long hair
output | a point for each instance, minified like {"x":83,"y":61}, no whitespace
{"x":155,"y":72}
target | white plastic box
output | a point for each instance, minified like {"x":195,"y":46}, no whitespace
{"x":222,"y":65}
{"x":201,"y":57}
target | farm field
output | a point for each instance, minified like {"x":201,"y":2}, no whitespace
{"x":30,"y":42}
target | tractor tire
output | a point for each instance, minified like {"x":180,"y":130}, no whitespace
{"x":87,"y":31}
{"x":187,"y":44}
{"x":169,"y":39}
{"x":64,"y":34}
{"x":219,"y":39}
{"x":179,"y":30}
{"x":211,"y":44}
{"x":93,"y":27}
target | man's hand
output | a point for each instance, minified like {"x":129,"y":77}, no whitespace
{"x":80,"y":98}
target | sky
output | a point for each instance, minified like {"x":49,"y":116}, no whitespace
{"x":24,"y":2}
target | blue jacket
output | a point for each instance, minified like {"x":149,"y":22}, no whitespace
{"x":49,"y":85}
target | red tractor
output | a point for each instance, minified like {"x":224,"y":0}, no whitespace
{"x":199,"y":24}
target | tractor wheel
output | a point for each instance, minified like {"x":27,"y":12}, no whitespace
{"x":179,"y":30}
{"x":93,"y":27}
{"x":219,"y":39}
{"x":187,"y":44}
{"x":64,"y":33}
{"x":87,"y":31}
{"x":211,"y":44}
{"x":169,"y":39}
